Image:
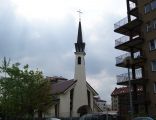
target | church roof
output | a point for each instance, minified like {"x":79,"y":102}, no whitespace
{"x":61,"y":87}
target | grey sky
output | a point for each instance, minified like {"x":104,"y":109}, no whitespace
{"x":42,"y":33}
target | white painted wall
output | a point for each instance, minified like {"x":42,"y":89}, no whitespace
{"x":80,"y":90}
{"x":64,"y":108}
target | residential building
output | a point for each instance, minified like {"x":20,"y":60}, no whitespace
{"x":100,"y":103}
{"x":120,"y":100}
{"x":139,"y":41}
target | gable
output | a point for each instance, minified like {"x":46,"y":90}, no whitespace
{"x":91,"y":90}
{"x":61,"y":87}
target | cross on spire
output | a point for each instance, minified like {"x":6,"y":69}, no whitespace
{"x":80,"y":12}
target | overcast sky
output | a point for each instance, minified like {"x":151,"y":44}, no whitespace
{"x":42,"y":33}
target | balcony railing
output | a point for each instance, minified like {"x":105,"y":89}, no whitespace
{"x":123,"y":22}
{"x":124,"y":39}
{"x":121,"y":40}
{"x":121,"y":58}
{"x":132,"y":6}
{"x":124,"y":77}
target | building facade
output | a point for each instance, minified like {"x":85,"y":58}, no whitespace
{"x":100,"y":103}
{"x":139,"y":41}
{"x":120,"y":101}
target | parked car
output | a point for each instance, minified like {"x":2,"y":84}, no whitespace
{"x":52,"y":119}
{"x":98,"y":117}
{"x":143,"y":118}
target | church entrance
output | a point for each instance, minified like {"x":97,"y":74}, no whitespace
{"x":85,"y":109}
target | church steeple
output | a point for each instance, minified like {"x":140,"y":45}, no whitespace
{"x":80,"y":45}
{"x":80,"y":97}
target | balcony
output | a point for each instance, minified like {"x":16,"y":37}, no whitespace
{"x":124,"y":43}
{"x":137,"y":61}
{"x":134,"y":1}
{"x":133,"y":9}
{"x":128,"y":28}
{"x":123,"y":78}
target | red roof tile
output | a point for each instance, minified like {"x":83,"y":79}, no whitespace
{"x":123,"y":90}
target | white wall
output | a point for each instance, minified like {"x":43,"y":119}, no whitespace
{"x":80,"y":91}
{"x":64,"y":108}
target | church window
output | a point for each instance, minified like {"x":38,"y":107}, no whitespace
{"x":56,"y":110}
{"x":88,"y":93}
{"x":79,"y":60}
{"x":71,"y":101}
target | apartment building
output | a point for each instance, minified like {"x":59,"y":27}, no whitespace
{"x":120,"y":101}
{"x":139,"y":41}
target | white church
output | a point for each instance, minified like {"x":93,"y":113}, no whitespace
{"x":74,"y":97}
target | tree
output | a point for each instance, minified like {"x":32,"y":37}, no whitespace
{"x":24,"y":92}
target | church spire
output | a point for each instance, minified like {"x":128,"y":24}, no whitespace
{"x":79,"y":36}
{"x":80,"y":45}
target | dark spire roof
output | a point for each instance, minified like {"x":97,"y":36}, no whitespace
{"x":79,"y":36}
{"x":80,"y":45}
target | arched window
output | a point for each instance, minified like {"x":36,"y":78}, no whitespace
{"x":79,"y":60}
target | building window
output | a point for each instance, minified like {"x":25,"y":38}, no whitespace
{"x":56,"y":110}
{"x":154,"y":24}
{"x":147,"y":8}
{"x":71,"y":101}
{"x":153,"y":44}
{"x":88,"y":94}
{"x":149,"y":27}
{"x":79,"y":60}
{"x":154,"y":87}
{"x":153,"y":4}
{"x":153,"y":65}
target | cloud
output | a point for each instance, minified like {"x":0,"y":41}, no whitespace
{"x":43,"y":36}
{"x":103,"y":83}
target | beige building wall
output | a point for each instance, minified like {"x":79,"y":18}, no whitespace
{"x":115,"y":103}
{"x":150,"y":55}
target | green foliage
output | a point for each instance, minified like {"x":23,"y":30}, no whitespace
{"x":23,"y":92}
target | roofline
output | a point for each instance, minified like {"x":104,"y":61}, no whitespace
{"x":69,"y":87}
{"x":94,"y":91}
{"x":98,"y":107}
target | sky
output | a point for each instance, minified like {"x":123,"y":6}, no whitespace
{"x":42,"y":33}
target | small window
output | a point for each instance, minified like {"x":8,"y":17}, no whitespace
{"x":154,"y":65}
{"x":153,"y":5}
{"x":149,"y":27}
{"x":79,"y":60}
{"x":154,"y":24}
{"x":154,"y":87}
{"x":152,"y":44}
{"x":147,"y":8}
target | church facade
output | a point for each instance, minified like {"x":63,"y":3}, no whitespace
{"x":74,"y":97}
